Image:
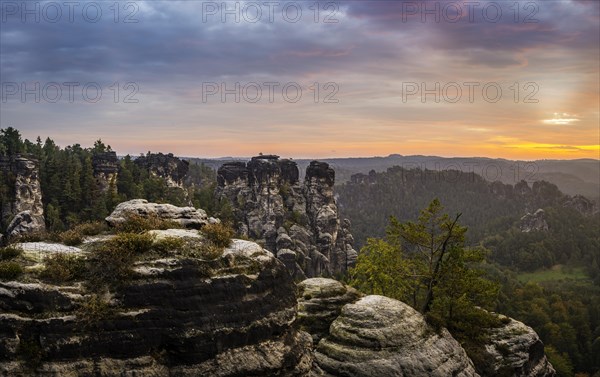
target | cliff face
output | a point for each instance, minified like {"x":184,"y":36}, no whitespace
{"x":106,"y":169}
{"x":24,"y":203}
{"x":167,"y":166}
{"x":379,"y":336}
{"x":298,"y":221}
{"x":178,"y":316}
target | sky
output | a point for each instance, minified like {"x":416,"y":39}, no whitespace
{"x":508,"y":79}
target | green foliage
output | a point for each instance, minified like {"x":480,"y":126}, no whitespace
{"x":560,"y":361}
{"x":207,"y":251}
{"x":381,"y":270}
{"x":565,"y":314}
{"x":62,"y":268}
{"x":71,"y":237}
{"x":9,"y":252}
{"x":168,"y":244}
{"x":218,"y":234}
{"x":136,"y":243}
{"x":92,"y":228}
{"x":426,"y":264}
{"x":10,"y":142}
{"x":10,"y":270}
{"x":94,"y":308}
{"x":109,"y":265}
{"x":139,"y":224}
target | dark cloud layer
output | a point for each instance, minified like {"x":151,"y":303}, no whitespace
{"x":375,"y":45}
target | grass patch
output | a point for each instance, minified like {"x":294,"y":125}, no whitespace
{"x":9,"y":252}
{"x":10,"y":270}
{"x":62,"y":267}
{"x":168,"y":244}
{"x":94,"y":309}
{"x":71,"y":237}
{"x":219,"y":234}
{"x":91,"y":228}
{"x":140,"y":224}
{"x":556,"y":273}
{"x":110,"y":263}
{"x":135,"y":243}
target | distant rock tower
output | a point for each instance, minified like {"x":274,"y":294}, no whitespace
{"x":297,"y":221}
{"x":23,"y":209}
{"x":106,"y":170}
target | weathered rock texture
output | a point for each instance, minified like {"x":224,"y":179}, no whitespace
{"x":178,"y":316}
{"x":167,"y":166}
{"x":106,"y":170}
{"x":320,"y":302}
{"x":297,"y":221}
{"x":23,"y":207}
{"x":379,"y":336}
{"x":188,"y":217}
{"x":515,"y":350}
{"x":534,"y":222}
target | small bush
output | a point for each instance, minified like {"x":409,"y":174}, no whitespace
{"x":32,"y":237}
{"x":91,"y":228}
{"x":167,"y":244}
{"x":132,"y":242}
{"x":71,"y":237}
{"x":209,"y":251}
{"x":219,"y":234}
{"x":109,"y":265}
{"x":140,"y":224}
{"x":62,"y":267}
{"x":9,"y":252}
{"x":10,"y":270}
{"x":94,"y":309}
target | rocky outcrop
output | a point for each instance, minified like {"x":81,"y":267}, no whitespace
{"x":320,"y":302}
{"x":23,"y":209}
{"x":515,"y":350}
{"x":297,"y":221}
{"x":581,"y":204}
{"x":106,"y":170}
{"x":188,"y":217}
{"x":177,"y":316}
{"x":379,"y":336}
{"x":534,"y":222}
{"x":166,"y":166}
{"x":25,"y":222}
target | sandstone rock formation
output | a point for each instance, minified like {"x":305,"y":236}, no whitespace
{"x":320,"y":302}
{"x":297,"y":221}
{"x":581,"y":204}
{"x":188,"y":217}
{"x":167,"y":166}
{"x":515,"y":350}
{"x":23,"y":207}
{"x":379,"y":336}
{"x":177,"y":316}
{"x":534,"y":222}
{"x":106,"y":169}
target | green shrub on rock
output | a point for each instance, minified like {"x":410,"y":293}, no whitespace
{"x":219,"y":234}
{"x":62,"y":267}
{"x":140,"y":224}
{"x":9,"y":252}
{"x":10,"y":270}
{"x":132,"y":242}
